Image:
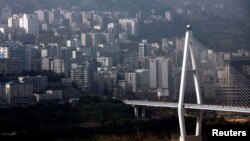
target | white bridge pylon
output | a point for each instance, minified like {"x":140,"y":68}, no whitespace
{"x":188,"y":48}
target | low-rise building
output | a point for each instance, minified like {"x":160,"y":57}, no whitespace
{"x":49,"y":96}
{"x":10,"y":66}
{"x":66,"y":82}
{"x":19,"y":93}
{"x":3,"y":97}
{"x":105,"y":61}
{"x":39,"y":83}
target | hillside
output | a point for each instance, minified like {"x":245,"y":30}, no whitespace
{"x":224,"y":25}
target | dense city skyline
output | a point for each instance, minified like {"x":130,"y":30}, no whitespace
{"x":66,"y":53}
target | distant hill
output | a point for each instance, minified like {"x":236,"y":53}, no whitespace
{"x":225,"y":25}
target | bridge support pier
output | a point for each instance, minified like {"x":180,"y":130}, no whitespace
{"x":197,"y":136}
{"x":143,"y":112}
{"x":136,"y":109}
{"x":199,"y":123}
{"x":190,"y":138}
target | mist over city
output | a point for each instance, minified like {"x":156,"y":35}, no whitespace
{"x":131,"y":70}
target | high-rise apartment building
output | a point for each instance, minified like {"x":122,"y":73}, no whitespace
{"x":160,"y":73}
{"x":129,"y":26}
{"x":29,"y":23}
{"x":13,"y":22}
{"x":4,"y":52}
{"x":144,"y":50}
{"x":130,"y":79}
{"x":86,"y":39}
{"x":57,"y":65}
{"x":5,"y":14}
{"x":81,"y":76}
{"x":42,"y":15}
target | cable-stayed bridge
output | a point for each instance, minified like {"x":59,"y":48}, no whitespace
{"x":206,"y":81}
{"x":188,"y":106}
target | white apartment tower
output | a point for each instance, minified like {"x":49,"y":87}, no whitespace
{"x":29,"y":23}
{"x":160,"y":73}
{"x":130,"y":79}
{"x":42,"y":15}
{"x":57,"y":65}
{"x":4,"y":52}
{"x":13,"y":22}
{"x":129,"y":26}
{"x":152,"y":73}
{"x":81,"y":76}
{"x":144,"y":51}
{"x":86,"y":39}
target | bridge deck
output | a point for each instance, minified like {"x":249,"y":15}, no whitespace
{"x":187,"y":106}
